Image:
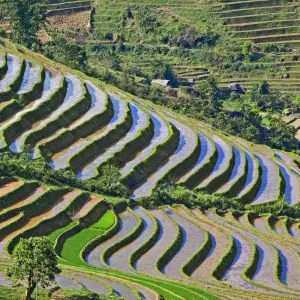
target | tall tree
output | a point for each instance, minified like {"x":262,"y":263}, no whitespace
{"x":26,"y":18}
{"x":35,"y":260}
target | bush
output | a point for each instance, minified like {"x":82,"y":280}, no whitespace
{"x":67,"y":52}
{"x":108,"y":181}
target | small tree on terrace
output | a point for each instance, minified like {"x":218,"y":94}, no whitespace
{"x":34,"y":261}
{"x":26,"y":18}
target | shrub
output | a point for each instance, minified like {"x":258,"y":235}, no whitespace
{"x":108,"y":181}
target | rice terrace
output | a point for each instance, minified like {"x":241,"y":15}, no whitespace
{"x":150,"y":150}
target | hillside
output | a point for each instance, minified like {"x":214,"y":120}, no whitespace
{"x":272,"y":26}
{"x":199,"y":45}
{"x":61,"y":130}
{"x":72,"y":124}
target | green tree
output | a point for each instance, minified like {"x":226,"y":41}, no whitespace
{"x":35,"y":260}
{"x":26,"y":17}
{"x":108,"y":181}
{"x":281,"y":136}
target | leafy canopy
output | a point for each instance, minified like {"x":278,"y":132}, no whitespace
{"x":26,"y":18}
{"x":35,"y":260}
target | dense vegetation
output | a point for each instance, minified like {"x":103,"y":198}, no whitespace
{"x":27,"y":17}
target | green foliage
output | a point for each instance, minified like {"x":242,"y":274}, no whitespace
{"x":2,"y":32}
{"x":276,"y":208}
{"x":67,"y":52}
{"x":114,"y":61}
{"x":238,"y":114}
{"x":168,"y":194}
{"x":27,"y":17}
{"x":281,"y":135}
{"x":17,"y":293}
{"x":250,"y":125}
{"x":35,"y":260}
{"x":146,"y":20}
{"x":247,"y":47}
{"x":109,"y":180}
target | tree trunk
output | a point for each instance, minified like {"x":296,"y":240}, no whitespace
{"x":30,"y":290}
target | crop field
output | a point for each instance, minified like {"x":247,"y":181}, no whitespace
{"x":269,"y":24}
{"x":77,"y":20}
{"x":78,"y":124}
{"x":68,"y":16}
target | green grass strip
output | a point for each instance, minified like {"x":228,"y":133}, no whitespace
{"x":54,"y":234}
{"x":74,"y":244}
{"x":106,"y":222}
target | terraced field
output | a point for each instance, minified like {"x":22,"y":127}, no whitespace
{"x":74,"y":124}
{"x":62,"y":7}
{"x":76,"y":223}
{"x":263,"y":22}
{"x":266,"y":23}
{"x":130,"y":252}
{"x":293,"y":120}
{"x":79,"y":124}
